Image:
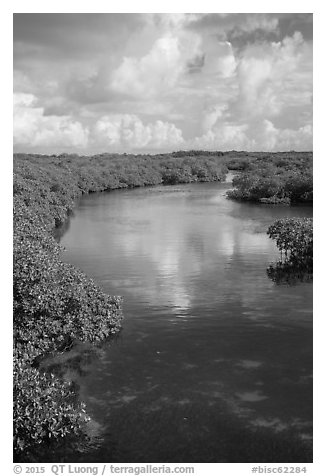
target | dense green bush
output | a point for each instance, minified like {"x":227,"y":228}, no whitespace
{"x":275,"y":179}
{"x":45,"y":410}
{"x":294,"y":239}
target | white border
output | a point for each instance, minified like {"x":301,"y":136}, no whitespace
{"x":316,"y":7}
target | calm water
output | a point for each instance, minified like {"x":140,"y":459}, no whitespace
{"x":214,"y":362}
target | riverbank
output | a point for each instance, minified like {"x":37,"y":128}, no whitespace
{"x":54,"y":303}
{"x":206,"y":351}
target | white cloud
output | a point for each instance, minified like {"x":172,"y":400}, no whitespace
{"x":118,"y":131}
{"x":219,"y":58}
{"x":159,"y":70}
{"x":272,"y":76}
{"x":127,"y":131}
{"x":268,"y":137}
{"x":224,"y":136}
{"x":254,"y":137}
{"x":32,"y":128}
{"x":273,"y":80}
{"x":23,"y":100}
{"x":158,"y":79}
{"x":212,"y":115}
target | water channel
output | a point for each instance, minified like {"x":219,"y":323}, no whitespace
{"x":214,"y":362}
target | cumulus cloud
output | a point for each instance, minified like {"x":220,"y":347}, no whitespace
{"x":33,"y":128}
{"x":272,"y":76}
{"x":268,"y":137}
{"x":156,"y":70}
{"x":163,"y":81}
{"x":117,"y":131}
{"x":212,"y":115}
{"x":226,"y":136}
{"x":159,"y":70}
{"x":219,"y":58}
{"x":254,"y":137}
{"x":129,"y":132}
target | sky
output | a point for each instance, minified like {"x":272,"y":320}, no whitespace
{"x":150,"y":83}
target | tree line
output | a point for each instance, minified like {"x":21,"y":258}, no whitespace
{"x":280,"y":178}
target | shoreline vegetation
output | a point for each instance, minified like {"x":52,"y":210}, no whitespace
{"x":294,"y":239}
{"x":56,"y":305}
{"x":282,"y":179}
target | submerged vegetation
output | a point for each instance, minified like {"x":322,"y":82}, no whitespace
{"x":294,"y":239}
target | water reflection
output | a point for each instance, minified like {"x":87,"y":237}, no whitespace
{"x":172,"y":249}
{"x":290,"y":273}
{"x":205,"y":361}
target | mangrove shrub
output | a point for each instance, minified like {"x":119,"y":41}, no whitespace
{"x":294,"y":239}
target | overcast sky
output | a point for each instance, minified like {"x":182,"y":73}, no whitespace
{"x":91,"y":83}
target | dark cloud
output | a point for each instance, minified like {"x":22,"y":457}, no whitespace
{"x":222,"y":24}
{"x":241,"y":39}
{"x":242,"y":29}
{"x":196,"y":64}
{"x":292,"y":22}
{"x":91,"y":90}
{"x":71,"y":35}
{"x":58,"y":106}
